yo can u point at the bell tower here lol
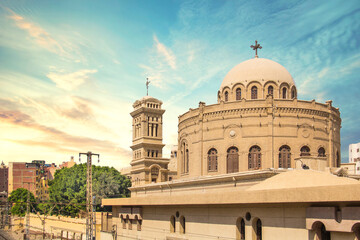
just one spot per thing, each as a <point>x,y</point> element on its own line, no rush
<point>147,163</point>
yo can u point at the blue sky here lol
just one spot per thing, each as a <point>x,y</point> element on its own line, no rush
<point>70,70</point>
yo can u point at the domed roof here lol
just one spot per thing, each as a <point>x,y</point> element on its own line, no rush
<point>257,69</point>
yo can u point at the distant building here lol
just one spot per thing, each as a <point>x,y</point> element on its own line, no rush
<point>4,171</point>
<point>69,164</point>
<point>354,156</point>
<point>22,176</point>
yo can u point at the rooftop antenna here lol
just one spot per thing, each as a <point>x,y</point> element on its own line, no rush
<point>256,47</point>
<point>147,86</point>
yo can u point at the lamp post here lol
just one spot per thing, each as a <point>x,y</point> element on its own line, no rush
<point>89,198</point>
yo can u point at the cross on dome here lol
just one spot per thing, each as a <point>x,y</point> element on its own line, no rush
<point>147,86</point>
<point>256,48</point>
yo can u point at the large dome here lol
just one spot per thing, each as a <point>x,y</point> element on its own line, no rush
<point>257,69</point>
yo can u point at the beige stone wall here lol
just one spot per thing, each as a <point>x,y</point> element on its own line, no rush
<point>219,222</point>
<point>295,124</point>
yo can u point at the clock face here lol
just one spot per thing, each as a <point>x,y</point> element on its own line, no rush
<point>232,133</point>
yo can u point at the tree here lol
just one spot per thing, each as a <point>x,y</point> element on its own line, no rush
<point>69,186</point>
<point>19,197</point>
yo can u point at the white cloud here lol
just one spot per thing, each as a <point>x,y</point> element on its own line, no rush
<point>70,81</point>
<point>166,53</point>
<point>42,37</point>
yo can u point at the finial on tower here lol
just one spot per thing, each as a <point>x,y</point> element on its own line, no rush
<point>256,48</point>
<point>147,86</point>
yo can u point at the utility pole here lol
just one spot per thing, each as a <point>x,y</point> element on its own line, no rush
<point>89,198</point>
<point>27,218</point>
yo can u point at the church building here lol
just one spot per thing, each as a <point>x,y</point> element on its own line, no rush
<point>259,164</point>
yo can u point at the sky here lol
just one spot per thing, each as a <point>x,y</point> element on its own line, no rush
<point>71,70</point>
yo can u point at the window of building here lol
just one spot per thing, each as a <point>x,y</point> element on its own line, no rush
<point>284,157</point>
<point>182,224</point>
<point>129,223</point>
<point>240,229</point>
<point>254,157</point>
<point>185,157</point>
<point>232,160</point>
<point>270,90</point>
<point>138,223</point>
<point>321,152</point>
<point>154,174</point>
<point>321,232</point>
<point>293,94</point>
<point>123,221</point>
<point>172,224</point>
<point>357,150</point>
<point>254,93</point>
<point>212,160</point>
<point>226,96</point>
<point>305,151</point>
<point>238,93</point>
<point>258,230</point>
<point>284,93</point>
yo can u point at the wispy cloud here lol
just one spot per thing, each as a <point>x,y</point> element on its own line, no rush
<point>165,52</point>
<point>40,35</point>
<point>70,81</point>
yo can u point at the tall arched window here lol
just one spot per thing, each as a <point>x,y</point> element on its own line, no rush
<point>129,222</point>
<point>254,157</point>
<point>226,96</point>
<point>284,157</point>
<point>232,160</point>
<point>240,229</point>
<point>154,174</point>
<point>305,151</point>
<point>172,224</point>
<point>270,90</point>
<point>284,93</point>
<point>212,160</point>
<point>321,152</point>
<point>123,221</point>
<point>321,232</point>
<point>238,93</point>
<point>293,93</point>
<point>138,223</point>
<point>258,230</point>
<point>182,224</point>
<point>254,92</point>
<point>185,157</point>
<point>338,160</point>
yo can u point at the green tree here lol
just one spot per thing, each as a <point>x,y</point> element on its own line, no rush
<point>19,198</point>
<point>69,187</point>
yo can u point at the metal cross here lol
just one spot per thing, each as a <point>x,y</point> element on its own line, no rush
<point>256,47</point>
<point>147,86</point>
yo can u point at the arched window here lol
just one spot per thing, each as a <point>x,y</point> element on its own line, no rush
<point>226,96</point>
<point>129,222</point>
<point>182,224</point>
<point>185,157</point>
<point>138,223</point>
<point>284,157</point>
<point>123,221</point>
<point>218,95</point>
<point>338,160</point>
<point>254,157</point>
<point>284,93</point>
<point>258,230</point>
<point>321,152</point>
<point>305,151</point>
<point>270,90</point>
<point>254,92</point>
<point>238,93</point>
<point>212,160</point>
<point>321,232</point>
<point>232,160</point>
<point>154,174</point>
<point>172,224</point>
<point>293,93</point>
<point>240,229</point>
<point>356,230</point>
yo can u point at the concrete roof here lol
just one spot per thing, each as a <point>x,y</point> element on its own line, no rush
<point>298,186</point>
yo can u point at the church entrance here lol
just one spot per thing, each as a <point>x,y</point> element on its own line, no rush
<point>232,161</point>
